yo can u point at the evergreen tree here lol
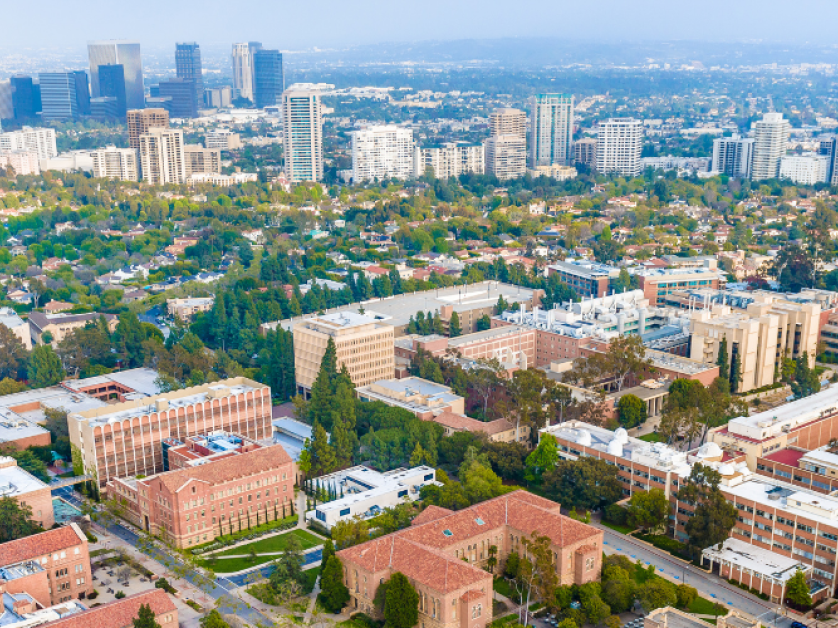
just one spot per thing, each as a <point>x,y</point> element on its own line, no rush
<point>420,323</point>
<point>322,453</point>
<point>454,328</point>
<point>333,593</point>
<point>320,405</point>
<point>417,456</point>
<point>44,367</point>
<point>341,442</point>
<point>724,369</point>
<point>502,305</point>
<point>437,324</point>
<point>145,618</point>
<point>735,373</point>
<point>328,552</point>
<point>412,327</point>
<point>805,380</point>
<point>129,339</point>
<point>401,606</point>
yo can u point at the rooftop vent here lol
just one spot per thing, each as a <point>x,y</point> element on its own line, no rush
<point>447,532</point>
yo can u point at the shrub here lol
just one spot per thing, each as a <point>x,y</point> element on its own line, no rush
<point>616,514</point>
<point>119,594</point>
<point>93,595</point>
<point>162,583</point>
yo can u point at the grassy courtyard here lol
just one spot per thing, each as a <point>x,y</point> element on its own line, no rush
<point>276,543</point>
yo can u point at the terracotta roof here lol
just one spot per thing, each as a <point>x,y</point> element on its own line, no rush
<point>119,613</point>
<point>432,568</point>
<point>431,513</point>
<point>423,551</point>
<point>225,469</point>
<point>473,594</point>
<point>461,422</point>
<point>36,545</point>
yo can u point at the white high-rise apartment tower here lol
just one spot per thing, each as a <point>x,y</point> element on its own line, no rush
<point>449,160</point>
<point>115,163</point>
<point>733,156</point>
<point>770,137</point>
<point>161,156</point>
<point>38,140</point>
<point>506,149</point>
<point>619,145</point>
<point>302,128</point>
<point>382,151</point>
<point>551,129</point>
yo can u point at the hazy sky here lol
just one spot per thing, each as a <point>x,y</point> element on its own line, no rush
<point>326,23</point>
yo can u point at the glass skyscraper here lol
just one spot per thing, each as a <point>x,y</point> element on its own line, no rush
<point>269,80</point>
<point>126,54</point>
<point>188,64</point>
<point>112,85</point>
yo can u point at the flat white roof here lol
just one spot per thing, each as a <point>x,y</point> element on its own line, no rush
<point>760,561</point>
<point>771,422</point>
<point>379,483</point>
<point>17,481</point>
<point>817,507</point>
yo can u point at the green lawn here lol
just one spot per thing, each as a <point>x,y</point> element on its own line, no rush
<point>654,437</point>
<point>275,543</point>
<point>703,606</point>
<point>229,565</point>
<point>502,586</point>
<point>617,527</point>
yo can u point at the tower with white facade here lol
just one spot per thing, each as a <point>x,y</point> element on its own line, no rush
<point>770,137</point>
<point>382,151</point>
<point>619,145</point>
<point>161,156</point>
<point>733,156</point>
<point>551,129</point>
<point>302,127</point>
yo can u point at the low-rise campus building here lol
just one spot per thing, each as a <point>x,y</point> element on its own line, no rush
<point>51,567</point>
<point>422,397</point>
<point>28,490</point>
<point>222,484</point>
<point>121,613</point>
<point>444,554</point>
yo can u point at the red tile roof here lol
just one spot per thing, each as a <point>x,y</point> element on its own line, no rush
<point>225,469</point>
<point>119,613</point>
<point>423,551</point>
<point>41,544</point>
<point>461,422</point>
<point>791,457</point>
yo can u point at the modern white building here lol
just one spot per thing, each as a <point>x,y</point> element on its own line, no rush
<point>770,137</point>
<point>23,162</point>
<point>805,169</point>
<point>302,118</point>
<point>41,141</point>
<point>367,492</point>
<point>551,129</point>
<point>619,146</point>
<point>449,160</point>
<point>161,156</point>
<point>382,151</point>
<point>223,179</point>
<point>733,156</point>
<point>115,163</point>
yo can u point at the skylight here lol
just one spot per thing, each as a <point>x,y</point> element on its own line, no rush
<point>448,533</point>
<point>480,521</point>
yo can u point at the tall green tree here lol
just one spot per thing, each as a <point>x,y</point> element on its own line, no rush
<point>714,517</point>
<point>16,520</point>
<point>129,338</point>
<point>587,483</point>
<point>631,411</point>
<point>44,367</point>
<point>322,452</point>
<point>401,605</point>
<point>454,328</point>
<point>649,510</point>
<point>13,355</point>
<point>722,360</point>
<point>145,618</point>
<point>333,594</point>
<point>328,552</point>
<point>805,381</point>
<point>543,458</point>
<point>797,590</point>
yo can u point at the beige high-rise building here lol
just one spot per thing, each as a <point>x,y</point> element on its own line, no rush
<point>506,156</point>
<point>768,331</point>
<point>139,121</point>
<point>201,160</point>
<point>364,345</point>
<point>115,163</point>
<point>508,122</point>
<point>162,156</point>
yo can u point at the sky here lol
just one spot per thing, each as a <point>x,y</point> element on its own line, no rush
<point>303,25</point>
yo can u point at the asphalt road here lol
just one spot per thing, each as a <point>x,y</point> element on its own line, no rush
<point>708,585</point>
<point>219,590</point>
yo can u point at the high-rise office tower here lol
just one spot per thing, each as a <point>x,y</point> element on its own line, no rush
<point>506,149</point>
<point>733,156</point>
<point>302,126</point>
<point>141,120</point>
<point>268,78</point>
<point>551,129</point>
<point>243,68</point>
<point>126,54</point>
<point>112,85</point>
<point>382,151</point>
<point>26,97</point>
<point>188,66</point>
<point>619,145</point>
<point>7,108</point>
<point>64,95</point>
<point>770,137</point>
<point>115,163</point>
<point>184,98</point>
<point>161,156</point>
<point>218,97</point>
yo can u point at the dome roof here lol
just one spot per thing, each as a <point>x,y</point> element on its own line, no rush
<point>727,469</point>
<point>615,448</point>
<point>621,435</point>
<point>709,450</point>
<point>584,438</point>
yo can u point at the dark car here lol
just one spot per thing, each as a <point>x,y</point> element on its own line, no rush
<point>797,624</point>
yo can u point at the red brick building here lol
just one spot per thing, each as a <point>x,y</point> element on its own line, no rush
<point>52,566</point>
<point>444,553</point>
<point>195,504</point>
